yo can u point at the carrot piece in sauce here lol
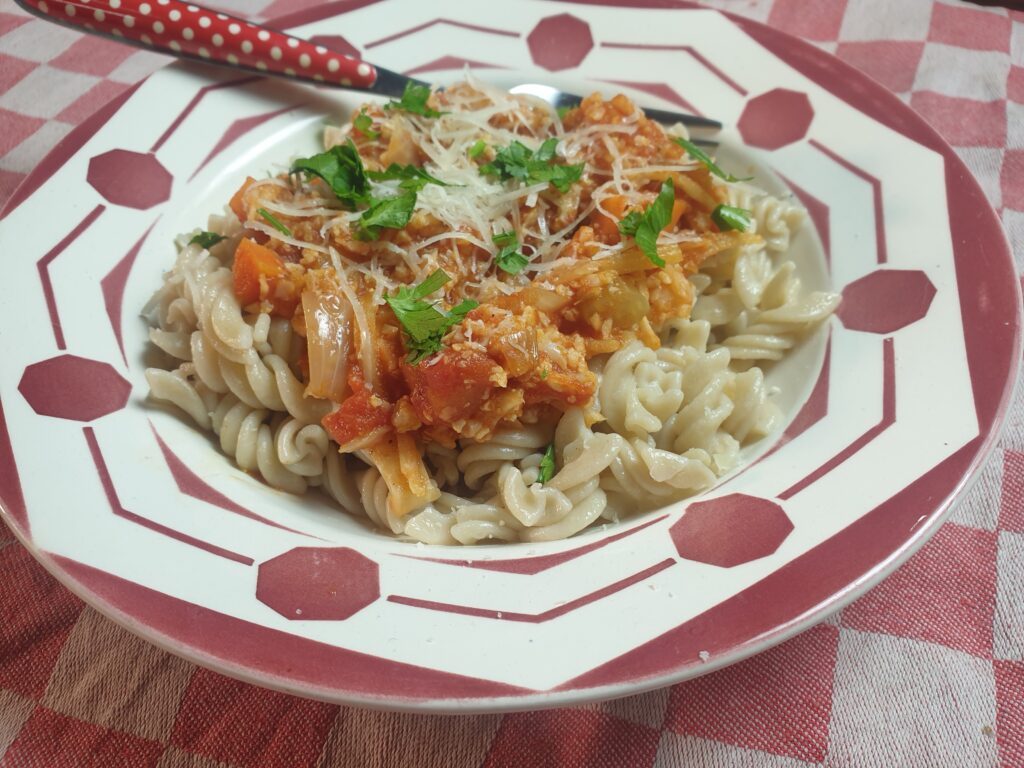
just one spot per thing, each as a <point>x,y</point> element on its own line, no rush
<point>260,274</point>
<point>238,200</point>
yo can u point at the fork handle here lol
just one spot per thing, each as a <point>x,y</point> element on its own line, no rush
<point>191,31</point>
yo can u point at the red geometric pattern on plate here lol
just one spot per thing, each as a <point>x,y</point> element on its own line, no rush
<point>881,249</point>
<point>191,484</point>
<point>533,565</point>
<point>13,499</point>
<point>336,43</point>
<point>75,388</point>
<point>661,90</point>
<point>237,130</point>
<point>948,586</point>
<point>281,731</point>
<point>781,701</point>
<point>818,211</point>
<point>112,286</point>
<point>886,300</point>
<point>200,95</point>
<point>893,63</point>
<point>118,509</point>
<point>1011,499</point>
<point>318,583</point>
<point>450,62</point>
<point>693,52</point>
<point>887,420</point>
<point>776,119</point>
<point>730,530</point>
<point>43,267</point>
<point>571,738</point>
<point>560,42</point>
<point>434,22</point>
<point>534,618</point>
<point>986,128</point>
<point>215,637</point>
<point>1010,711</point>
<point>970,28</point>
<point>131,179</point>
<point>52,739</point>
<point>37,617</point>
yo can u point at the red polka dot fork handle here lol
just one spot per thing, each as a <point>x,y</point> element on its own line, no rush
<point>193,32</point>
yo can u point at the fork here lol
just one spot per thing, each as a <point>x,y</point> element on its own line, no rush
<point>190,31</point>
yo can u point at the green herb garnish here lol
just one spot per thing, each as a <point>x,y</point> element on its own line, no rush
<point>272,220</point>
<point>424,324</point>
<point>565,110</point>
<point>206,239</point>
<point>342,169</point>
<point>414,100</point>
<point>543,373</point>
<point>701,156</point>
<point>645,227</point>
<point>547,465</point>
<point>730,217</point>
<point>390,212</point>
<point>509,258</point>
<point>364,124</point>
<point>477,149</point>
<point>518,161</point>
<point>412,178</point>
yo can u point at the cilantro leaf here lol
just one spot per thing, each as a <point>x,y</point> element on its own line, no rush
<point>272,220</point>
<point>509,258</point>
<point>701,156</point>
<point>547,465</point>
<point>342,169</point>
<point>412,178</point>
<point>477,148</point>
<point>517,161</point>
<point>424,324</point>
<point>206,239</point>
<point>730,217</point>
<point>645,227</point>
<point>390,212</point>
<point>364,124</point>
<point>414,100</point>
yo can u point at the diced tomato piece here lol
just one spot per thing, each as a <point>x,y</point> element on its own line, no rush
<point>238,200</point>
<point>361,413</point>
<point>259,274</point>
<point>451,386</point>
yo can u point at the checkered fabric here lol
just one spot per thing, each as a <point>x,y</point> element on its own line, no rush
<point>926,670</point>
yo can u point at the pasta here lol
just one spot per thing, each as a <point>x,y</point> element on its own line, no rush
<point>473,319</point>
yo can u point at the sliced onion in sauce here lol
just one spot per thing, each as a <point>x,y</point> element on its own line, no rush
<point>328,319</point>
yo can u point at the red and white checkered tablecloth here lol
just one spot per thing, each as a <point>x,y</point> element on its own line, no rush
<point>926,670</point>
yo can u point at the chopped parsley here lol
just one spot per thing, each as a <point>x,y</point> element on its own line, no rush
<point>477,149</point>
<point>364,124</point>
<point>509,258</point>
<point>547,465</point>
<point>518,161</point>
<point>390,212</point>
<point>565,110</point>
<point>206,239</point>
<point>645,227</point>
<point>272,220</point>
<point>730,217</point>
<point>412,178</point>
<point>424,324</point>
<point>701,156</point>
<point>543,373</point>
<point>414,100</point>
<point>342,169</point>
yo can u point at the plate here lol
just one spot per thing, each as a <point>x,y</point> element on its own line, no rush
<point>893,407</point>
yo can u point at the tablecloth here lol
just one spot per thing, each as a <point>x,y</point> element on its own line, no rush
<point>925,670</point>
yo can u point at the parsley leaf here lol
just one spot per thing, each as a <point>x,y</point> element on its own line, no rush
<point>390,212</point>
<point>730,217</point>
<point>477,148</point>
<point>412,178</point>
<point>645,227</point>
<point>424,324</point>
<point>364,124</point>
<point>272,220</point>
<point>517,161</point>
<point>509,258</point>
<point>342,169</point>
<point>565,110</point>
<point>206,239</point>
<point>547,465</point>
<point>414,100</point>
<point>701,156</point>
